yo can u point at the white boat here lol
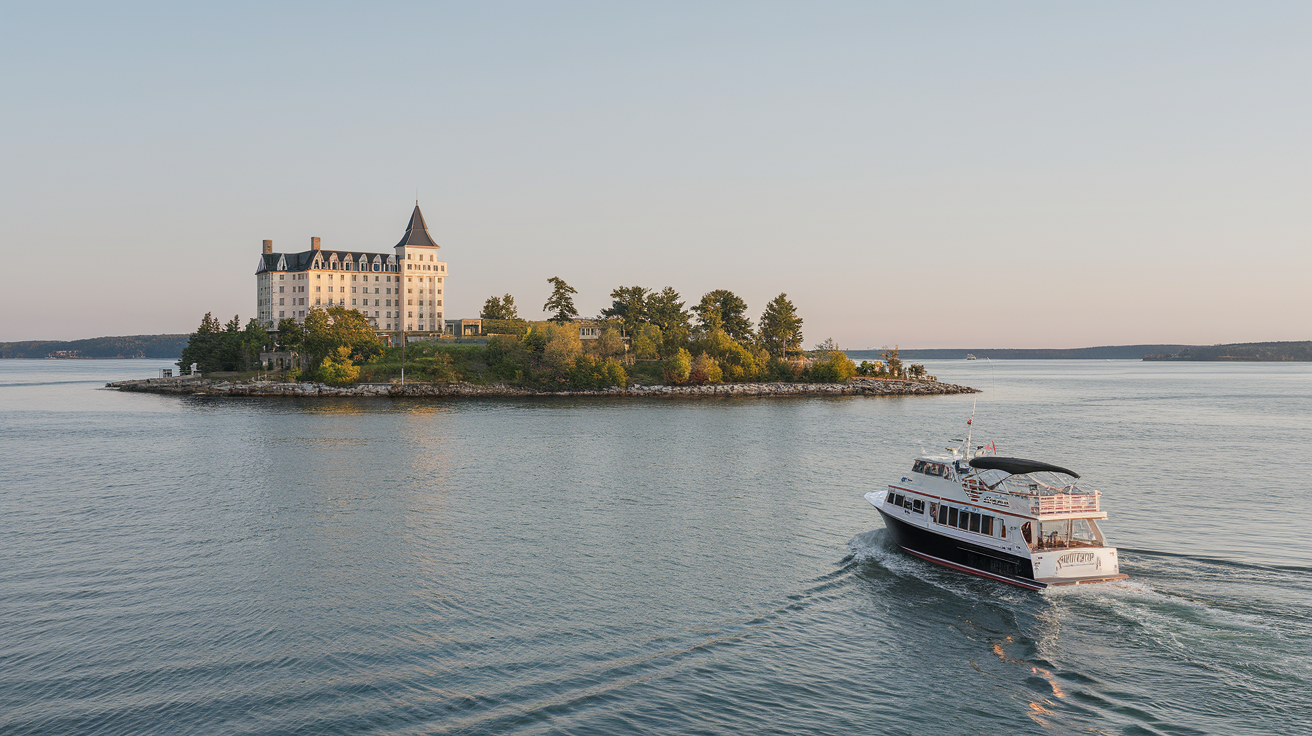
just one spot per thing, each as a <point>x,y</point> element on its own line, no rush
<point>1017,521</point>
<point>970,356</point>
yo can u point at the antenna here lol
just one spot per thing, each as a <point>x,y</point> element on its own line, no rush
<point>970,423</point>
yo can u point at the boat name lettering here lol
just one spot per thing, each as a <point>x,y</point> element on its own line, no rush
<point>998,502</point>
<point>1077,558</point>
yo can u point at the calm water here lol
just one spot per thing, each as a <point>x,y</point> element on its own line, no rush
<point>175,565</point>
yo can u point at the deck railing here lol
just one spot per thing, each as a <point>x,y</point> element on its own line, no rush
<point>1068,503</point>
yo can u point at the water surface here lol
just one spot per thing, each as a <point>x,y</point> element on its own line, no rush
<point>242,566</point>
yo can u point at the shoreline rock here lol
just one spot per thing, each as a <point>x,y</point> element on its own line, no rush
<point>856,387</point>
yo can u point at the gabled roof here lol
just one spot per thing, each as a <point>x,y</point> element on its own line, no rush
<point>303,260</point>
<point>417,232</point>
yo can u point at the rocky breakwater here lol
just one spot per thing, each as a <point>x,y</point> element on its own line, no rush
<point>854,387</point>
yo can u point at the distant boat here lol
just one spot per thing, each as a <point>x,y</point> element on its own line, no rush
<point>971,356</point>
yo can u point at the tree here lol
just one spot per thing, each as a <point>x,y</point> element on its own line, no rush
<point>609,344</point>
<point>290,334</point>
<point>254,339</point>
<point>561,301</point>
<point>629,305</point>
<point>500,308</point>
<point>732,313</point>
<point>893,362</point>
<point>334,327</point>
<point>647,343</point>
<point>205,347</point>
<point>781,328</point>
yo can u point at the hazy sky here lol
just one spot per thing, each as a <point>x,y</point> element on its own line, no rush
<point>929,174</point>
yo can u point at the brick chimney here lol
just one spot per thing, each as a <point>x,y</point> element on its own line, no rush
<point>314,244</point>
<point>268,247</point>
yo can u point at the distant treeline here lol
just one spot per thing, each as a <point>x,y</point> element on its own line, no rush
<point>1265,351</point>
<point>132,346</point>
<point>1286,351</point>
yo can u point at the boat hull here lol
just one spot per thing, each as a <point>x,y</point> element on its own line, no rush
<point>963,556</point>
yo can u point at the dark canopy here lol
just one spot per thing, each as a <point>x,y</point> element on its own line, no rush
<point>1015,465</point>
<point>417,232</point>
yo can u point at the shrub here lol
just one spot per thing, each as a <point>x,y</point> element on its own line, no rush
<point>705,370</point>
<point>337,368</point>
<point>678,367</point>
<point>591,373</point>
<point>834,367</point>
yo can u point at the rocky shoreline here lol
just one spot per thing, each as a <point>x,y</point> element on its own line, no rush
<point>854,387</point>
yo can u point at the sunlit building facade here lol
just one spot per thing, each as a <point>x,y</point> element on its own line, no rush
<point>397,291</point>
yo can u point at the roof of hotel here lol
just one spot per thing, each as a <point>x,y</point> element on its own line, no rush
<point>417,232</point>
<point>305,259</point>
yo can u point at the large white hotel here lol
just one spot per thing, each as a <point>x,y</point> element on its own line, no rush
<point>396,291</point>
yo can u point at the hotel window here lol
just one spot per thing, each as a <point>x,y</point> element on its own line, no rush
<point>439,302</point>
<point>280,315</point>
<point>410,314</point>
<point>280,301</point>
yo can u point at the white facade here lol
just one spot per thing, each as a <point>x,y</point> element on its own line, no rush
<point>401,291</point>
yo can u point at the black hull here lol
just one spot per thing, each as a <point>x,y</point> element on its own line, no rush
<point>959,555</point>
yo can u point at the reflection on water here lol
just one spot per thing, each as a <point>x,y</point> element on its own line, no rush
<point>227,566</point>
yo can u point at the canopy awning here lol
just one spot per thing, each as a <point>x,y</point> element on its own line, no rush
<point>1017,466</point>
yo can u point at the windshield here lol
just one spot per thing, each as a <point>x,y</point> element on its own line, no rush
<point>1042,483</point>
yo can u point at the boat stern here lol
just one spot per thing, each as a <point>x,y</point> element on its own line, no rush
<point>1077,565</point>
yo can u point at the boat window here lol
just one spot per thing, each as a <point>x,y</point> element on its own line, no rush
<point>918,506</point>
<point>986,525</point>
<point>952,516</point>
<point>1002,524</point>
<point>974,521</point>
<point>943,514</point>
<point>1025,532</point>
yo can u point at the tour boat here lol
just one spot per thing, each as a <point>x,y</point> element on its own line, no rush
<point>1017,521</point>
<point>970,356</point>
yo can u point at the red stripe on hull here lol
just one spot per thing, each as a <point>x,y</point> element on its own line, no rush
<point>963,568</point>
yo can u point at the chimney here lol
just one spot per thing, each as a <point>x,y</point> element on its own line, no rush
<point>268,247</point>
<point>314,244</point>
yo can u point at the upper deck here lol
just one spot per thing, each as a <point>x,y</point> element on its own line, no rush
<point>1049,493</point>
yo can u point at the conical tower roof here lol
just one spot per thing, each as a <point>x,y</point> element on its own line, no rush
<point>417,232</point>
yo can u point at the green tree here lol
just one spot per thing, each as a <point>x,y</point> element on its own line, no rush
<point>781,327</point>
<point>665,310</point>
<point>290,334</point>
<point>561,301</point>
<point>205,347</point>
<point>562,346</point>
<point>500,308</point>
<point>629,305</point>
<point>647,343</point>
<point>731,311</point>
<point>334,327</point>
<point>254,339</point>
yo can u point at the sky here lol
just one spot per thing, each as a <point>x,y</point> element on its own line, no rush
<point>927,174</point>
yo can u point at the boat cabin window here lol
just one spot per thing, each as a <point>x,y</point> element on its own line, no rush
<point>966,520</point>
<point>915,505</point>
<point>1069,533</point>
<point>938,470</point>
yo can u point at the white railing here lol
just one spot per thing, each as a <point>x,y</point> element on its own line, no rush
<point>1068,503</point>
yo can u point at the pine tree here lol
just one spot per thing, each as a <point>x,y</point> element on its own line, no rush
<point>561,301</point>
<point>781,328</point>
<point>731,311</point>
